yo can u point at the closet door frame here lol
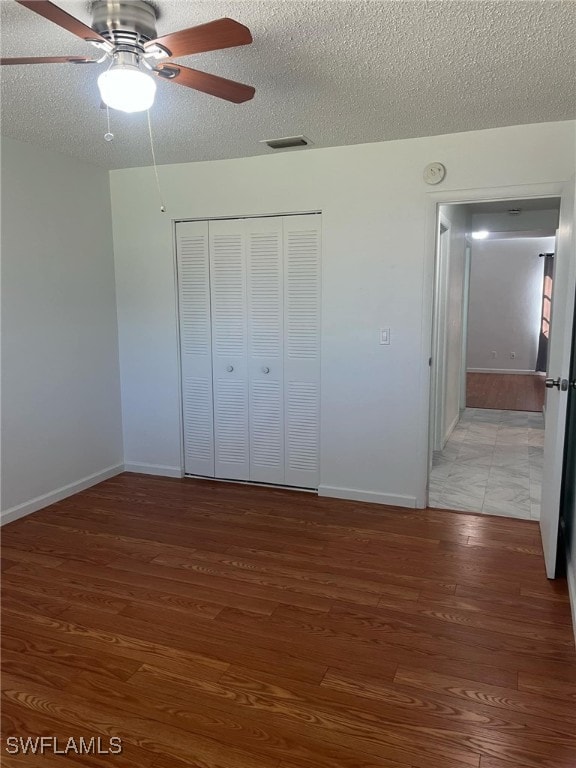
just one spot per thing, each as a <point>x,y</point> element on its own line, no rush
<point>208,219</point>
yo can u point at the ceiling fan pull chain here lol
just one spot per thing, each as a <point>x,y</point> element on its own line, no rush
<point>108,136</point>
<point>162,206</point>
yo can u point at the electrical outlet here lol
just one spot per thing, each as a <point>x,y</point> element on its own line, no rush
<point>512,355</point>
<point>494,354</point>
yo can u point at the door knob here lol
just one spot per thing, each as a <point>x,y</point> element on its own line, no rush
<point>559,383</point>
<point>573,384</point>
<point>265,369</point>
<point>230,368</point>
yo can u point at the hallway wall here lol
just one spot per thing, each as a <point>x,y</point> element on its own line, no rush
<point>505,307</point>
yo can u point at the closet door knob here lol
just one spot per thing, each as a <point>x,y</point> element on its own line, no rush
<point>265,369</point>
<point>229,368</point>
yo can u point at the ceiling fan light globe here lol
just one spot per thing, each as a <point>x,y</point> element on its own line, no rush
<point>127,88</point>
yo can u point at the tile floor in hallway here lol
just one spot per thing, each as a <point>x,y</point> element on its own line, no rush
<point>491,463</point>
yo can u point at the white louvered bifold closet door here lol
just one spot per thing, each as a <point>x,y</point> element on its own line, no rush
<point>195,346</point>
<point>264,248</point>
<point>249,294</point>
<point>302,251</point>
<point>229,348</point>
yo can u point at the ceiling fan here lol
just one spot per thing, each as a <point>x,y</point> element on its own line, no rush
<point>125,33</point>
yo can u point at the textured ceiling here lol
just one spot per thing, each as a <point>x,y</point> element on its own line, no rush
<point>340,72</point>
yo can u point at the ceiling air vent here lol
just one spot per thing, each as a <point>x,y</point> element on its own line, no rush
<point>287,143</point>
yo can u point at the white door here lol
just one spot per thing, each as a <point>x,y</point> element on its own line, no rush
<point>249,292</point>
<point>265,348</point>
<point>558,369</point>
<point>229,348</point>
<point>302,249</point>
<point>195,346</point>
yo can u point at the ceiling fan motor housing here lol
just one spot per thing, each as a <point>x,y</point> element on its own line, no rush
<point>128,25</point>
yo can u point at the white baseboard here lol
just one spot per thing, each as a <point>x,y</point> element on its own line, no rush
<point>451,428</point>
<point>154,469</point>
<point>21,510</point>
<point>376,498</point>
<point>571,579</point>
<point>504,370</point>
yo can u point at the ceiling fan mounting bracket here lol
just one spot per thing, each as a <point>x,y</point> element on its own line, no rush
<point>157,51</point>
<point>167,72</point>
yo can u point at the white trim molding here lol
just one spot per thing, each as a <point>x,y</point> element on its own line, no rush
<point>160,470</point>
<point>507,371</point>
<point>353,494</point>
<point>28,507</point>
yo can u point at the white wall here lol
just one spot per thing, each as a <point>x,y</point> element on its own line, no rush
<point>506,303</point>
<point>60,374</point>
<point>545,220</point>
<point>377,271</point>
<point>458,219</point>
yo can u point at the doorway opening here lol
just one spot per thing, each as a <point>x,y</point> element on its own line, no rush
<point>493,293</point>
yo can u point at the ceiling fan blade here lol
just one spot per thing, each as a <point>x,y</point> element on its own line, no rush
<point>50,60</point>
<point>202,81</point>
<point>53,13</point>
<point>223,33</point>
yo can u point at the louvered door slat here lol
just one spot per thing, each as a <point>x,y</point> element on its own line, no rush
<point>266,433</point>
<point>264,245</point>
<point>229,348</point>
<point>302,250</point>
<point>302,415</point>
<point>195,346</point>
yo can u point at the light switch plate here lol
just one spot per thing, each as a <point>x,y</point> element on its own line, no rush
<point>384,335</point>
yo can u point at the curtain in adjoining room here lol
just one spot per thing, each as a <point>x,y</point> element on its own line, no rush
<point>542,358</point>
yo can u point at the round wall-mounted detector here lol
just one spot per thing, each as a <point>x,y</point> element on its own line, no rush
<point>434,173</point>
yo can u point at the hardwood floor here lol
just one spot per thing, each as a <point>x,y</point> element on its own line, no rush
<point>226,626</point>
<point>505,391</point>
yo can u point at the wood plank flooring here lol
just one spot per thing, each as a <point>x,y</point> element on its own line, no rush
<point>505,391</point>
<point>224,626</point>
